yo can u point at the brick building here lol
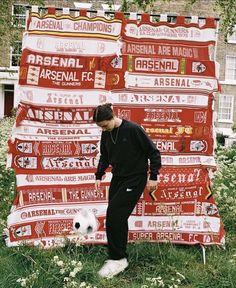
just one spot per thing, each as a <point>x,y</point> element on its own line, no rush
<point>225,104</point>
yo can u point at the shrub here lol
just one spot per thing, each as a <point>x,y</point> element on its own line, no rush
<point>7,176</point>
<point>224,186</point>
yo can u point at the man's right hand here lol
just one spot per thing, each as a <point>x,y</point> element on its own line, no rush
<point>97,184</point>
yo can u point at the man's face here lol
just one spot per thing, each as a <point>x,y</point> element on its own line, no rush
<point>107,125</point>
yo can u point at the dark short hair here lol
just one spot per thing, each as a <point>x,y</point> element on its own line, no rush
<point>103,112</point>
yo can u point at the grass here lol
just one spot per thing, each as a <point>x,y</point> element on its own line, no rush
<point>147,260</point>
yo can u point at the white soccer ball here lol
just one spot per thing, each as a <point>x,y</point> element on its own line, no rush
<point>85,222</point>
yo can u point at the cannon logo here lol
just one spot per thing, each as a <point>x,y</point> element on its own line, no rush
<point>116,62</point>
<point>26,162</point>
<point>209,209</point>
<point>198,67</point>
<point>88,148</point>
<point>198,145</point>
<point>25,147</point>
<point>22,231</point>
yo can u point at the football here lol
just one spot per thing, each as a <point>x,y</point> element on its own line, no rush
<point>85,222</point>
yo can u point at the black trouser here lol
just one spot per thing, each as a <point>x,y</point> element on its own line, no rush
<point>124,194</point>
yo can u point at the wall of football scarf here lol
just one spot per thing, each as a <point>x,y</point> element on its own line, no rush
<point>158,74</point>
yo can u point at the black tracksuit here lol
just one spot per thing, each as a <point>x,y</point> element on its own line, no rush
<point>128,157</point>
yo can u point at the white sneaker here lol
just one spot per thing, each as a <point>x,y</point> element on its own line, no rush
<point>113,267</point>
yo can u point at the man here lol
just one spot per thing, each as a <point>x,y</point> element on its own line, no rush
<point>127,148</point>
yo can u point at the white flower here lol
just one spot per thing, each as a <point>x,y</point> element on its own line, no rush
<point>161,283</point>
<point>77,269</point>
<point>23,282</point>
<point>72,274</point>
<point>55,258</point>
<point>60,263</point>
<point>66,279</point>
<point>82,284</point>
<point>73,284</point>
<point>73,262</point>
<point>62,271</point>
<point>79,264</point>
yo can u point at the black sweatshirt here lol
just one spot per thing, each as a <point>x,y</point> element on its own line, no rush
<point>129,156</point>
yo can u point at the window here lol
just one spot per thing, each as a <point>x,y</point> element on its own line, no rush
<point>15,54</point>
<point>226,104</point>
<point>19,15</point>
<point>8,99</point>
<point>230,70</point>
